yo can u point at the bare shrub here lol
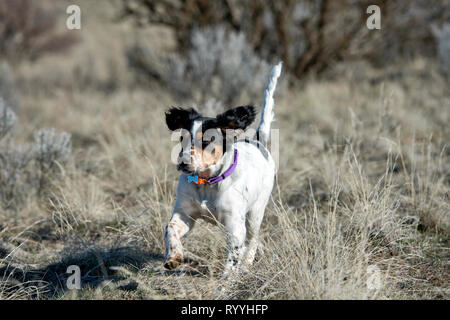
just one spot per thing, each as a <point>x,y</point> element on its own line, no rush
<point>218,64</point>
<point>51,147</point>
<point>442,36</point>
<point>27,30</point>
<point>13,160</point>
<point>8,119</point>
<point>25,169</point>
<point>16,177</point>
<point>309,36</point>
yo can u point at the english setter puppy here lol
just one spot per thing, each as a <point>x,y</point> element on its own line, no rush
<point>222,179</point>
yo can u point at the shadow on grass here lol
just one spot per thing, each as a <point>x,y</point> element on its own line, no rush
<point>94,263</point>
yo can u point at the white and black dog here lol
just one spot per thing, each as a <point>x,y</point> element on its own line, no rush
<point>223,179</point>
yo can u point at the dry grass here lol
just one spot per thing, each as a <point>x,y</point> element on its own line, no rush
<point>362,188</point>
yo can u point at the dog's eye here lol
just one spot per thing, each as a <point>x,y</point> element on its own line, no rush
<point>213,138</point>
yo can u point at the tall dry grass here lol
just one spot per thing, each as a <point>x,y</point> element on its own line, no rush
<point>360,208</point>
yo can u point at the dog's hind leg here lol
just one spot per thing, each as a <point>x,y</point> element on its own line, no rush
<point>235,229</point>
<point>254,219</point>
<point>178,226</point>
<point>253,223</point>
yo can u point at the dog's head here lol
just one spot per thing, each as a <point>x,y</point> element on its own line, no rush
<point>204,140</point>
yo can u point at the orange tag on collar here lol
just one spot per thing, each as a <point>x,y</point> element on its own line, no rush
<point>195,179</point>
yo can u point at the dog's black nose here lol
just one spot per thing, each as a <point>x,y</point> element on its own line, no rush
<point>184,167</point>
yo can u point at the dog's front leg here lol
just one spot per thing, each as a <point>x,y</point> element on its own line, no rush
<point>178,226</point>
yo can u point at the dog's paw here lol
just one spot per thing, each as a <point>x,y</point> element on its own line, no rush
<point>173,263</point>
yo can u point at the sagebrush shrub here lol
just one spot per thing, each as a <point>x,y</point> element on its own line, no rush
<point>25,168</point>
<point>13,159</point>
<point>218,64</point>
<point>442,36</point>
<point>308,35</point>
<point>51,147</point>
<point>7,118</point>
<point>16,177</point>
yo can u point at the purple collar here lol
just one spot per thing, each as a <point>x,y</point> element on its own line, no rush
<point>217,179</point>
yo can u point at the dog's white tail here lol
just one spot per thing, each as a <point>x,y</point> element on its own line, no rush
<point>267,115</point>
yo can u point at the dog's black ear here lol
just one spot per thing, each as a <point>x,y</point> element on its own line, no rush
<point>236,118</point>
<point>177,118</point>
